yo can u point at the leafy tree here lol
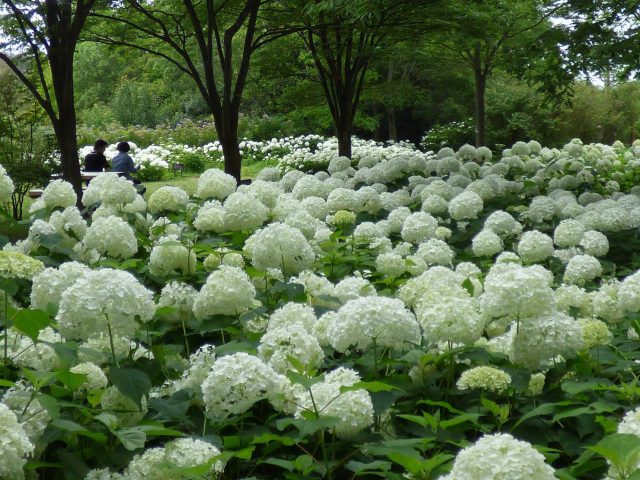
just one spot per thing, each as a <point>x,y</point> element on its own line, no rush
<point>45,34</point>
<point>343,38</point>
<point>211,42</point>
<point>488,33</point>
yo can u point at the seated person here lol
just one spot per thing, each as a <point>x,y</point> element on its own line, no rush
<point>96,161</point>
<point>123,163</point>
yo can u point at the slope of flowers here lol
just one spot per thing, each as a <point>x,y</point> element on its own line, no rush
<point>459,315</point>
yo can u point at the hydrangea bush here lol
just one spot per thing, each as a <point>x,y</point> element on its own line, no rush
<point>443,315</point>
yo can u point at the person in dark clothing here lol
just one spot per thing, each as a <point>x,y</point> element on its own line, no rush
<point>96,161</point>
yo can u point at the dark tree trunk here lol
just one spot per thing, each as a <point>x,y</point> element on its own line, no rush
<point>480,114</point>
<point>343,132</point>
<point>393,128</point>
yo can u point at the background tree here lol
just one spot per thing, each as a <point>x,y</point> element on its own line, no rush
<point>45,34</point>
<point>210,42</point>
<point>483,35</point>
<point>342,38</point>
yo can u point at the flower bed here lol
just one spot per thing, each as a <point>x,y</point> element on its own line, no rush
<point>459,315</point>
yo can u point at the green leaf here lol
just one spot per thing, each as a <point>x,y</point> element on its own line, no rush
<point>544,409</point>
<point>370,387</point>
<point>108,420</point>
<point>50,404</point>
<point>31,322</point>
<point>621,449</point>
<point>131,382</point>
<point>308,426</point>
<point>131,438</point>
<point>8,285</point>
<point>78,429</point>
<point>71,380</point>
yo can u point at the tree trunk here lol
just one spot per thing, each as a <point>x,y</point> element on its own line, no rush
<point>227,128</point>
<point>480,87</point>
<point>66,125</point>
<point>343,132</point>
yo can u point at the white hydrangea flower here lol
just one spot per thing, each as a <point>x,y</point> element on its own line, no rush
<point>235,382</point>
<point>435,252</point>
<point>361,322</point>
<point>49,284</point>
<point>290,340</point>
<point>391,264</point>
<point>465,206</point>
<point>33,417</point>
<point>595,243</point>
<point>540,339</point>
<point>280,246</point>
<point>484,378</point>
<point>513,290</point>
<point>314,285</point>
<point>594,332</point>
<point>168,199</point>
<point>243,212</point>
<point>354,408</point>
<point>455,319</point>
<point>630,423</point>
<point>170,257</point>
<point>541,209</point>
<point>38,356</point>
<point>350,288</point>
<point>113,302</point>
<point>503,224</point>
<point>109,189</point>
<point>214,183</point>
<point>228,291</point>
<point>111,236</point>
<point>606,304</point>
<point>535,246</point>
<point>210,217</point>
<point>500,457</point>
<point>14,443</point>
<point>581,269</point>
<point>573,296</point>
<point>59,194</point>
<point>568,233</point>
<point>199,365</point>
<point>180,296</point>
<point>6,186</point>
<point>486,243</point>
<point>418,227</point>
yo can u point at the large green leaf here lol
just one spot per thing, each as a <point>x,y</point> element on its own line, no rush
<point>131,382</point>
<point>31,322</point>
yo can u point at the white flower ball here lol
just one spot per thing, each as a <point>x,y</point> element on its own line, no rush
<point>581,269</point>
<point>228,291</point>
<point>210,217</point>
<point>465,206</point>
<point>111,236</point>
<point>168,199</point>
<point>243,212</point>
<point>292,340</point>
<point>362,321</point>
<point>170,257</point>
<point>280,246</point>
<point>451,319</point>
<point>486,243</point>
<point>500,457</point>
<point>214,183</point>
<point>595,243</point>
<point>113,302</point>
<point>48,285</point>
<point>418,227</point>
<point>535,246</point>
<point>59,194</point>
<point>503,224</point>
<point>15,443</point>
<point>568,233</point>
<point>391,264</point>
<point>435,252</point>
<point>235,382</point>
